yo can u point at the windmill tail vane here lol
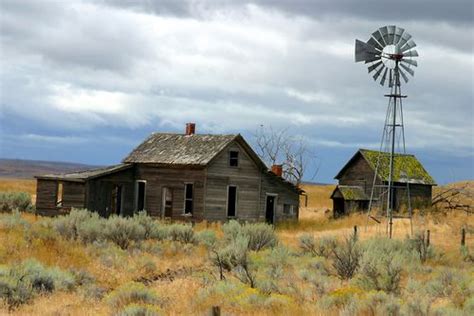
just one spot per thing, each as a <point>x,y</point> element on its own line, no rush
<point>389,55</point>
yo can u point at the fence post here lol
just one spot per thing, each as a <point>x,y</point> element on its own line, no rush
<point>216,311</point>
<point>355,232</point>
<point>427,238</point>
<point>463,237</point>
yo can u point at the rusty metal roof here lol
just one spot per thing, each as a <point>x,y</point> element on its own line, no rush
<point>179,149</point>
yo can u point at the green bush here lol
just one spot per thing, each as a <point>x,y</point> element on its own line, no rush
<point>207,237</point>
<point>123,231</point>
<point>10,201</point>
<point>131,293</point>
<point>13,221</point>
<point>19,283</point>
<point>346,257</point>
<point>259,235</point>
<point>139,310</point>
<point>150,226</point>
<point>322,247</point>
<point>181,232</point>
<point>381,266</point>
<point>68,225</point>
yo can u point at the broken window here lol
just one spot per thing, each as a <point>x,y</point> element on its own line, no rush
<point>234,158</point>
<point>288,209</point>
<point>231,200</point>
<point>188,198</point>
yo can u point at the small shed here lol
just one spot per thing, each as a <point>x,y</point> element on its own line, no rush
<point>357,176</point>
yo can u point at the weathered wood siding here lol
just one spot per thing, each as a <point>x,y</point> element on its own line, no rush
<point>73,196</point>
<point>359,173</point>
<point>99,192</point>
<point>246,177</point>
<point>285,195</point>
<point>174,178</point>
<point>46,191</point>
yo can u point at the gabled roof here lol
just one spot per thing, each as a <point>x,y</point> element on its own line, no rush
<point>351,193</point>
<point>180,149</point>
<point>406,167</point>
<point>82,176</point>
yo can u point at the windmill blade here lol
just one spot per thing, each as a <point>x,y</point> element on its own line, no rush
<point>374,66</point>
<point>398,35</point>
<point>405,37</point>
<point>403,75</point>
<point>410,71</point>
<point>377,74</point>
<point>372,41</point>
<point>408,46</point>
<point>378,37</point>
<point>410,61</point>
<point>382,82</point>
<point>384,32</point>
<point>412,53</point>
<point>365,52</point>
<point>391,34</point>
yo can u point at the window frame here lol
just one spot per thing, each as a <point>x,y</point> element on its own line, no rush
<point>186,199</point>
<point>59,194</point>
<point>237,159</point>
<point>136,195</point>
<point>236,200</point>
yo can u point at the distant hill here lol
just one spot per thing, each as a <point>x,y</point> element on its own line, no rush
<point>18,168</point>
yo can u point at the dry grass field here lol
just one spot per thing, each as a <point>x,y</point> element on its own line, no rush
<point>289,282</point>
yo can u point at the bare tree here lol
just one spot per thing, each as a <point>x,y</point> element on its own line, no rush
<point>292,152</point>
<point>454,198</point>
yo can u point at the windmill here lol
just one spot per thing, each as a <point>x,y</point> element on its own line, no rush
<point>389,54</point>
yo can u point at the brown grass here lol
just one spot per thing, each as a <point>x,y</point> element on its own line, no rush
<point>18,185</point>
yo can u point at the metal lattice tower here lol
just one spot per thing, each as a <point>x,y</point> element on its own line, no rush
<point>389,53</point>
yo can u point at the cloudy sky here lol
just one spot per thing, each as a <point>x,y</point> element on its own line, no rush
<point>86,81</point>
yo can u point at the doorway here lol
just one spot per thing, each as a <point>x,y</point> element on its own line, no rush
<point>270,208</point>
<point>116,200</point>
<point>167,202</point>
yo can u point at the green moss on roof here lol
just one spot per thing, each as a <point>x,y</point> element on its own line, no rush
<point>352,193</point>
<point>406,168</point>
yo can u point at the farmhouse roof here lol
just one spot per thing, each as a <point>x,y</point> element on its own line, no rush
<point>406,169</point>
<point>180,149</point>
<point>82,176</point>
<point>351,193</point>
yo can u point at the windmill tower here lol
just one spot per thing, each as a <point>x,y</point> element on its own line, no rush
<point>389,54</point>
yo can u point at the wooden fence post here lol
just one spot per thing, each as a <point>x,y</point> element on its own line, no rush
<point>355,232</point>
<point>216,311</point>
<point>427,238</point>
<point>463,237</point>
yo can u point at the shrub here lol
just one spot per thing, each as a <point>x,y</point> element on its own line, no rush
<point>149,225</point>
<point>18,284</point>
<point>13,221</point>
<point>10,201</point>
<point>139,310</point>
<point>182,233</point>
<point>67,225</point>
<point>419,246</point>
<point>259,235</point>
<point>207,237</point>
<point>122,231</point>
<point>131,293</point>
<point>322,247</point>
<point>381,266</point>
<point>346,257</point>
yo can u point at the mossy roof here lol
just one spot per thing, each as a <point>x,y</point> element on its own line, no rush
<point>406,167</point>
<point>351,193</point>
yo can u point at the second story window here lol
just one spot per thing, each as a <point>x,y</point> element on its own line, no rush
<point>234,158</point>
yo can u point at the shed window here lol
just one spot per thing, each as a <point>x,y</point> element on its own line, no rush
<point>188,198</point>
<point>59,194</point>
<point>234,158</point>
<point>288,209</point>
<point>141,195</point>
<point>231,200</point>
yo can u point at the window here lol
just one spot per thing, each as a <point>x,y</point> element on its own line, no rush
<point>188,198</point>
<point>59,195</point>
<point>140,195</point>
<point>234,158</point>
<point>231,200</point>
<point>288,209</point>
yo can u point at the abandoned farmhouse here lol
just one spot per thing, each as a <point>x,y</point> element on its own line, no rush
<point>180,176</point>
<point>357,176</point>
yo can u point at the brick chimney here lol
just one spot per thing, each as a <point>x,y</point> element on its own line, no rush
<point>278,170</point>
<point>190,128</point>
